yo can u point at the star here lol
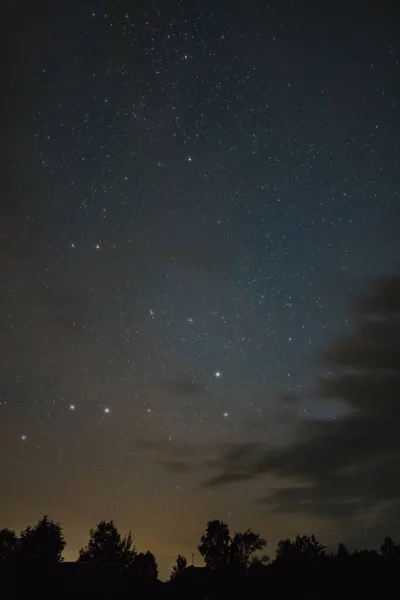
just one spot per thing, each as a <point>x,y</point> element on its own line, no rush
<point>23,437</point>
<point>73,245</point>
<point>190,159</point>
<point>217,374</point>
<point>72,407</point>
<point>107,410</point>
<point>226,414</point>
<point>97,246</point>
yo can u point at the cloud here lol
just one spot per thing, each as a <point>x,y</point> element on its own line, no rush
<point>178,457</point>
<point>384,298</point>
<point>344,469</point>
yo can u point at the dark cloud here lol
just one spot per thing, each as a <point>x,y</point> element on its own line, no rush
<point>344,469</point>
<point>373,348</point>
<point>384,299</point>
<point>178,456</point>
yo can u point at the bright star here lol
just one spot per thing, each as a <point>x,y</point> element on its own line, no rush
<point>72,245</point>
<point>226,414</point>
<point>190,159</point>
<point>107,410</point>
<point>23,437</point>
<point>97,246</point>
<point>72,407</point>
<point>218,374</point>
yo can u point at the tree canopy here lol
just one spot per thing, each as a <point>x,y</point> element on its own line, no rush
<point>44,542</point>
<point>242,548</point>
<point>214,545</point>
<point>145,567</point>
<point>389,549</point>
<point>303,547</point>
<point>179,567</point>
<point>107,546</point>
<point>8,545</point>
<point>220,550</point>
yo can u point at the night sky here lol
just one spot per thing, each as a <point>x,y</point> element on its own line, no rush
<point>192,195</point>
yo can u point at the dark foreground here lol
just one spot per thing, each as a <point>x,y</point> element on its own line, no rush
<point>87,581</point>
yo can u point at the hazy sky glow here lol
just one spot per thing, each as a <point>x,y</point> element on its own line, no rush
<point>192,195</point>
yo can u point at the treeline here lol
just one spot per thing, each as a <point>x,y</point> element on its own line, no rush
<point>44,544</point>
<point>222,552</point>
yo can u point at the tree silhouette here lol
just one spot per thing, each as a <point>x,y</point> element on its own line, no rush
<point>258,564</point>
<point>219,550</point>
<point>243,546</point>
<point>389,550</point>
<point>106,546</point>
<point>8,545</point>
<point>304,548</point>
<point>178,568</point>
<point>366,557</point>
<point>44,542</point>
<point>214,545</point>
<point>342,551</point>
<point>145,567</point>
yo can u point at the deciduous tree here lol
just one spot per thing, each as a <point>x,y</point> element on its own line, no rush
<point>107,546</point>
<point>178,568</point>
<point>145,567</point>
<point>44,542</point>
<point>243,546</point>
<point>8,545</point>
<point>214,545</point>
